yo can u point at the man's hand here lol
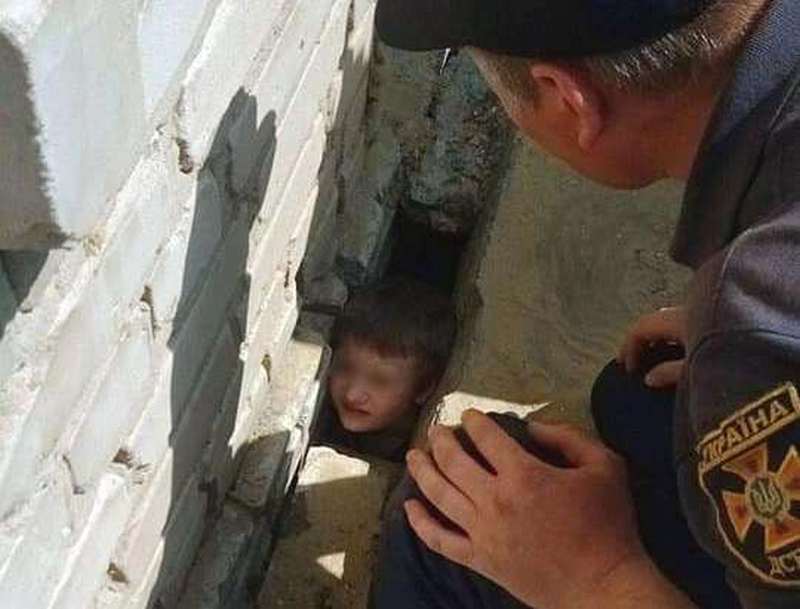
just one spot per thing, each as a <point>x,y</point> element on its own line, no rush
<point>666,325</point>
<point>556,538</point>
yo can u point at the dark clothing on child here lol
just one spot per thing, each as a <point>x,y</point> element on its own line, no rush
<point>637,423</point>
<point>389,444</point>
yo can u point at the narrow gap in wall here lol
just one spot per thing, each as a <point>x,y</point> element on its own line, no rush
<point>424,259</point>
<point>430,256</point>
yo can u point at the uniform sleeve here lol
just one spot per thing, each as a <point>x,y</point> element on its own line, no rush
<point>740,478</point>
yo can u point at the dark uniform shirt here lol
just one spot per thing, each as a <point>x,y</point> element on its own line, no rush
<point>738,411</point>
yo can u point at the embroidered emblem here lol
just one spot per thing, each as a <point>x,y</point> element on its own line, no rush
<point>750,470</point>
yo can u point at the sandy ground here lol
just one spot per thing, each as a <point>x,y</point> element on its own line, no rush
<point>565,268</point>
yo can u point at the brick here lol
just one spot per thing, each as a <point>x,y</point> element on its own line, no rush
<point>296,208</point>
<point>365,228</point>
<point>148,524</point>
<point>116,406</point>
<point>164,428</point>
<point>219,564</point>
<point>167,34</point>
<point>50,59</point>
<point>189,251</point>
<point>309,101</point>
<point>183,538</point>
<point>85,342</point>
<point>150,205</point>
<point>283,427</point>
<point>150,438</point>
<point>219,70</point>
<point>351,130</point>
<point>362,10</point>
<point>191,340</point>
<point>232,429</point>
<point>267,339</point>
<point>276,86</point>
<point>194,431</point>
<point>155,559</point>
<point>41,547</point>
<point>85,568</point>
<point>358,54</point>
<point>142,595</point>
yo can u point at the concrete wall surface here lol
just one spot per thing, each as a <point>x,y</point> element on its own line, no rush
<point>174,178</point>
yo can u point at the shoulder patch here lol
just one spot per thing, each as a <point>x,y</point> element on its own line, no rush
<point>749,467</point>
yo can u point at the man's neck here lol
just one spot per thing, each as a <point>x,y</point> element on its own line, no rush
<point>678,138</point>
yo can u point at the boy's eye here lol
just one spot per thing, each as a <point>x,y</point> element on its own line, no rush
<point>380,381</point>
<point>338,366</point>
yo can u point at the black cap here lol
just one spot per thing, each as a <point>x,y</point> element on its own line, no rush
<point>532,28</point>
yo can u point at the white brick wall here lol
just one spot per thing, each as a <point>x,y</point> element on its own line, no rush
<point>166,159</point>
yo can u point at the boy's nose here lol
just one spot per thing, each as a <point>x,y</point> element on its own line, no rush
<point>356,395</point>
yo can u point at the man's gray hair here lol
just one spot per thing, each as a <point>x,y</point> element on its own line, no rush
<point>702,49</point>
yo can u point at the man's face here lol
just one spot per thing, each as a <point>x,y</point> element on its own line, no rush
<point>370,391</point>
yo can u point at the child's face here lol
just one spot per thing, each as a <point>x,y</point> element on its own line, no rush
<point>370,391</point>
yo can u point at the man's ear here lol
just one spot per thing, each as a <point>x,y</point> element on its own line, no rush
<point>573,93</point>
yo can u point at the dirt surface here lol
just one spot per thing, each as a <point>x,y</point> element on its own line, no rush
<point>327,549</point>
<point>565,266</point>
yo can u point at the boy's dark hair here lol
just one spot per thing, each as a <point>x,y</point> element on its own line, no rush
<point>402,317</point>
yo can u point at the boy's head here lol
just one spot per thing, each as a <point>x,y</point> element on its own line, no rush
<point>391,346</point>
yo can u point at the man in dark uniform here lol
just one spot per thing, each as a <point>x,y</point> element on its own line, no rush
<point>703,508</point>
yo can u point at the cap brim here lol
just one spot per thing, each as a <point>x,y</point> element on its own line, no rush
<point>529,28</point>
<point>424,25</point>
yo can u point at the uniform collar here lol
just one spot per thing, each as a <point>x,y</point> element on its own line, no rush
<point>734,142</point>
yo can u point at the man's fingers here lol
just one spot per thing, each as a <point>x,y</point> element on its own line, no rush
<point>575,445</point>
<point>665,375</point>
<point>457,466</point>
<point>499,449</point>
<point>450,544</point>
<point>664,325</point>
<point>449,500</point>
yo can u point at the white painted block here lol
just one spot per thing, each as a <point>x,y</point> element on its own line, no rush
<point>194,431</point>
<point>32,570</point>
<point>62,158</point>
<point>191,341</point>
<point>84,344</point>
<point>150,205</point>
<point>310,100</point>
<point>144,530</point>
<point>189,252</point>
<point>84,570</point>
<point>167,33</point>
<point>363,9</point>
<point>269,252</point>
<point>161,425</point>
<point>116,406</point>
<point>230,431</point>
<point>276,86</point>
<point>218,71</point>
<point>357,55</point>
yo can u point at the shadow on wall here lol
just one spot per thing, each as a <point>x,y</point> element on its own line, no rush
<point>206,321</point>
<point>20,269</point>
<point>232,314</point>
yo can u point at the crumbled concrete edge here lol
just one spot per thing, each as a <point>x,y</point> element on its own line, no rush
<point>233,559</point>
